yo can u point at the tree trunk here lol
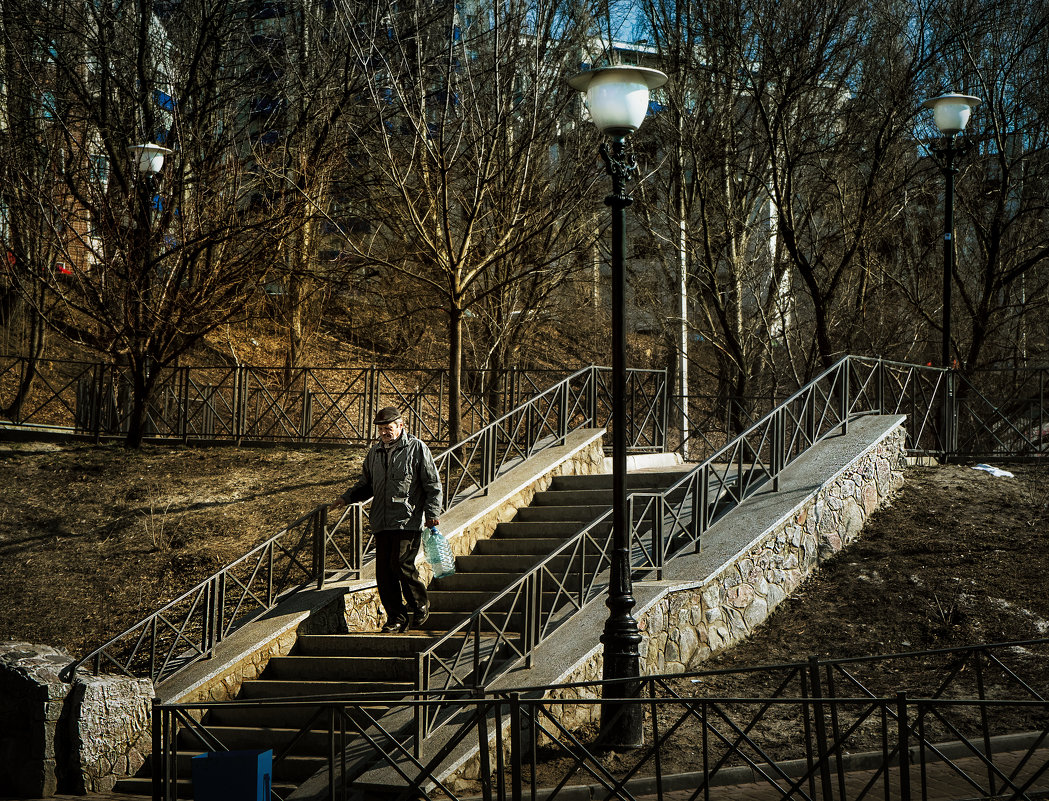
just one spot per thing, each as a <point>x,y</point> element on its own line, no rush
<point>35,350</point>
<point>140,385</point>
<point>455,373</point>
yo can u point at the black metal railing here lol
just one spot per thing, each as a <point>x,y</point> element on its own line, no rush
<point>245,404</point>
<point>1003,414</point>
<point>971,722</point>
<point>310,553</point>
<point>990,414</point>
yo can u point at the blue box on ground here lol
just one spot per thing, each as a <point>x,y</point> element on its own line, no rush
<point>232,776</point>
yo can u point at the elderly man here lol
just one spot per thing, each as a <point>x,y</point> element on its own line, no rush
<point>400,477</point>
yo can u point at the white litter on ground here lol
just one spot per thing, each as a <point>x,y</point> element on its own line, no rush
<point>997,472</point>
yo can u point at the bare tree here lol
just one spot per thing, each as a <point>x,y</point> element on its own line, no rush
<point>158,261</point>
<point>474,184</point>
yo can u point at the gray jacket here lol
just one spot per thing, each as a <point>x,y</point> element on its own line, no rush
<point>403,484</point>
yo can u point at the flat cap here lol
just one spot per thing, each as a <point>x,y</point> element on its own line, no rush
<point>387,415</point>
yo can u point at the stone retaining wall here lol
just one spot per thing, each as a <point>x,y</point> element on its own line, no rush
<point>688,625</point>
<point>72,738</point>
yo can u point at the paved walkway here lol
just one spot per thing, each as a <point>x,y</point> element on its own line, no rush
<point>943,782</point>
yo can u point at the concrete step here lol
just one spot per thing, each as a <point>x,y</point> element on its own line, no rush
<point>509,565</point>
<point>340,668</point>
<point>362,644</point>
<point>516,546</point>
<point>143,785</point>
<point>258,688</point>
<point>466,601</point>
<point>581,497</point>
<point>539,514</point>
<point>634,481</point>
<point>238,738</point>
<point>255,717</point>
<point>464,580</point>
<point>543,528</point>
<point>444,621</point>
<point>592,497</point>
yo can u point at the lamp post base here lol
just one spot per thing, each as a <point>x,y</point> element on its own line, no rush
<point>622,719</point>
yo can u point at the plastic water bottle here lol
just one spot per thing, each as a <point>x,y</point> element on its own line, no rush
<point>438,553</point>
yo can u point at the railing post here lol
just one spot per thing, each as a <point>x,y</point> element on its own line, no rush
<point>701,506</point>
<point>778,447</point>
<point>881,386</point>
<point>371,403</point>
<point>1043,439</point>
<point>515,746</point>
<point>592,395</point>
<point>658,534</point>
<point>533,615</point>
<point>331,751</point>
<point>96,401</point>
<point>951,408</point>
<point>157,758</point>
<point>181,403</point>
<point>484,754</point>
<point>306,423</point>
<point>488,459</point>
<point>358,538</point>
<point>240,404</point>
<point>821,729</point>
<point>207,634</point>
<point>320,520</point>
<point>563,403</point>
<point>903,729</point>
<point>845,402</point>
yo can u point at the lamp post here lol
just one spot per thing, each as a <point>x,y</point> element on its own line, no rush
<point>617,99</point>
<point>951,114</point>
<point>149,159</point>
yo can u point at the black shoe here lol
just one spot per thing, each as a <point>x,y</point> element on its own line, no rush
<point>395,626</point>
<point>420,616</point>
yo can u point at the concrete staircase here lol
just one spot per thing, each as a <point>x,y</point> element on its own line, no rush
<point>342,665</point>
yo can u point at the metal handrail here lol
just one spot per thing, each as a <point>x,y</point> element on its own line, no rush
<point>189,628</point>
<point>974,695</point>
<point>184,631</point>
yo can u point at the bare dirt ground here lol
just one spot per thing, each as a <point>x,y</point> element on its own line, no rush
<point>94,538</point>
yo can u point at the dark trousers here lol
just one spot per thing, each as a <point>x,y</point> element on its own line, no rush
<point>395,573</point>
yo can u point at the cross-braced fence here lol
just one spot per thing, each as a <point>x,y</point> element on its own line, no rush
<point>972,723</point>
<point>990,414</point>
<point>247,404</point>
<point>507,629</point>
